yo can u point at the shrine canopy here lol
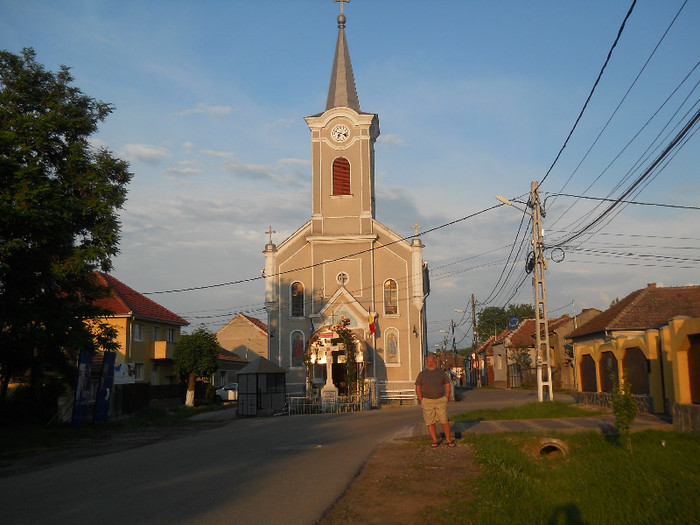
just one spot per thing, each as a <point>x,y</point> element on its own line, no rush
<point>330,339</point>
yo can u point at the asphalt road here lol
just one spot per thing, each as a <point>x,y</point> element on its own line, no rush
<point>265,470</point>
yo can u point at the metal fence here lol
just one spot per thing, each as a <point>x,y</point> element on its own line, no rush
<point>316,405</point>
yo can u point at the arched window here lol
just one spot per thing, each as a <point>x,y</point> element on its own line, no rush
<point>391,344</point>
<point>341,176</point>
<point>297,291</point>
<point>391,300</point>
<point>297,348</point>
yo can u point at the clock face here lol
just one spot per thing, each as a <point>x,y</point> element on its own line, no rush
<point>340,133</point>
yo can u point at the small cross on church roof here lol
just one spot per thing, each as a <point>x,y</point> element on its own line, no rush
<point>269,232</point>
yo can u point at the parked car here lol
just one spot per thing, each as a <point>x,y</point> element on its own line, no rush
<point>227,393</point>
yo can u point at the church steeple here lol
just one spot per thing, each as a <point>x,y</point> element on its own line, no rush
<point>342,91</point>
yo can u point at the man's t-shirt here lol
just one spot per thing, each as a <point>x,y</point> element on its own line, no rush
<point>432,383</point>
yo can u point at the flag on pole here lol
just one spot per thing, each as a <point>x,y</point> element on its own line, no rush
<point>371,323</point>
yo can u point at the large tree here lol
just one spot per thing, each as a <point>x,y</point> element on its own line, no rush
<point>59,199</point>
<point>494,319</point>
<point>196,355</point>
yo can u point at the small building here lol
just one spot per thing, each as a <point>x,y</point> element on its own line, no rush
<point>244,336</point>
<point>261,388</point>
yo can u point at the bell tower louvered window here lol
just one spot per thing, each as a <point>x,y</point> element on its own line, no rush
<point>341,176</point>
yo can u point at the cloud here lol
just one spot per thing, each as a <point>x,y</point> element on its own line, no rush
<point>391,139</point>
<point>212,111</point>
<point>260,172</point>
<point>294,162</point>
<point>184,171</point>
<point>214,153</point>
<point>145,153</point>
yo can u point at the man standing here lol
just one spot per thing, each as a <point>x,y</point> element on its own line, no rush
<point>433,391</point>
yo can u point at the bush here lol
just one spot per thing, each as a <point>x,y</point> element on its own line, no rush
<point>624,408</point>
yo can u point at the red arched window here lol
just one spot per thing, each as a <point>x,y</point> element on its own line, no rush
<point>341,176</point>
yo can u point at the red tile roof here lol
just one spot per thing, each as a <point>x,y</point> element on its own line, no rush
<point>524,335</point>
<point>226,355</point>
<point>127,301</point>
<point>649,307</point>
<point>256,322</point>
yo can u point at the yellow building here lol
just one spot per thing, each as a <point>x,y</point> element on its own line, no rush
<point>146,332</point>
<point>652,337</point>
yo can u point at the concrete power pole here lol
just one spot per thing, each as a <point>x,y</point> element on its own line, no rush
<point>544,369</point>
<point>476,342</point>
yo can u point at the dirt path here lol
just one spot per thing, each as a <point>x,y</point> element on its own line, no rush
<point>400,482</point>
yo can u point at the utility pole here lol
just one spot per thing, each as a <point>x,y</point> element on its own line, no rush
<point>476,342</point>
<point>544,369</point>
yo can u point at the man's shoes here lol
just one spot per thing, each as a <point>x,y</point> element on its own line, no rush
<point>450,443</point>
<point>435,444</point>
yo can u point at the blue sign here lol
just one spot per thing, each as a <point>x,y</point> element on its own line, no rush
<point>81,402</point>
<point>513,323</point>
<point>104,390</point>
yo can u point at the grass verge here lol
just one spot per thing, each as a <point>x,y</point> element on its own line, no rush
<point>599,482</point>
<point>534,410</point>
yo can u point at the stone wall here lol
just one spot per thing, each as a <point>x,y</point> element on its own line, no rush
<point>603,400</point>
<point>686,418</point>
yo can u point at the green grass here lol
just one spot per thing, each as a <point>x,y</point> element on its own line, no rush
<point>599,482</point>
<point>21,439</point>
<point>534,410</point>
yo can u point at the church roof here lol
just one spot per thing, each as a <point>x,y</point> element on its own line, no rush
<point>342,91</point>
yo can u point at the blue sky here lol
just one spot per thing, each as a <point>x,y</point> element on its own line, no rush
<point>475,99</point>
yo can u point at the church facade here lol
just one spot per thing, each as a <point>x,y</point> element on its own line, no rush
<point>343,263</point>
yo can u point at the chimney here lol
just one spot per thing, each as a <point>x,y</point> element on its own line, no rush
<point>651,285</point>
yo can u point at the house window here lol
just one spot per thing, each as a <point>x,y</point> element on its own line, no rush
<point>137,334</point>
<point>391,336</point>
<point>297,290</point>
<point>155,333</point>
<point>297,348</point>
<point>391,303</point>
<point>171,335</point>
<point>341,176</point>
<point>138,371</point>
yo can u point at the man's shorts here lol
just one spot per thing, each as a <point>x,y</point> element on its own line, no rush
<point>434,410</point>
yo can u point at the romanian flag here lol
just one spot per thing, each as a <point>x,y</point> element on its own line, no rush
<point>371,324</point>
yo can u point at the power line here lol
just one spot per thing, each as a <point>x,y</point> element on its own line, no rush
<point>257,278</point>
<point>590,95</point>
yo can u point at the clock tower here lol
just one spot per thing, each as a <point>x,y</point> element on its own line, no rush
<point>342,154</point>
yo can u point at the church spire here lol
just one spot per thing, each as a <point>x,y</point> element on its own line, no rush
<point>342,91</point>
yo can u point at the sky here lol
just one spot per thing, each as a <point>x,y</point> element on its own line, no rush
<point>475,99</point>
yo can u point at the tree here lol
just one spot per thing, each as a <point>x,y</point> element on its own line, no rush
<point>494,319</point>
<point>59,199</point>
<point>196,356</point>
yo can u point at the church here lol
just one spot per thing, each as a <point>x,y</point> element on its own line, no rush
<point>343,266</point>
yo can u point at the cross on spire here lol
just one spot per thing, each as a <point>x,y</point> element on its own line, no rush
<point>341,4</point>
<point>416,227</point>
<point>269,232</point>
